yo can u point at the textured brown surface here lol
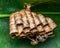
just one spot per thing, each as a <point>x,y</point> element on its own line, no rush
<point>26,24</point>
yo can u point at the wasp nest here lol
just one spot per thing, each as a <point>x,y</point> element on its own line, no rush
<point>27,24</point>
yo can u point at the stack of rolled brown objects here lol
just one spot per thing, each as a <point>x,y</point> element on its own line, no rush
<point>27,24</point>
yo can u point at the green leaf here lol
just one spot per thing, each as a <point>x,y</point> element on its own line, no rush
<point>48,9</point>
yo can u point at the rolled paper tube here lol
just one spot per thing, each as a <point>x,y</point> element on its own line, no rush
<point>42,19</point>
<point>51,23</point>
<point>13,29</point>
<point>18,19</point>
<point>25,22</point>
<point>24,18</point>
<point>36,20</point>
<point>31,21</point>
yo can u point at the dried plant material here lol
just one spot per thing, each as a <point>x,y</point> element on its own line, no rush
<point>42,19</point>
<point>36,20</point>
<point>27,24</point>
<point>13,28</point>
<point>51,23</point>
<point>24,18</point>
<point>31,21</point>
<point>18,18</point>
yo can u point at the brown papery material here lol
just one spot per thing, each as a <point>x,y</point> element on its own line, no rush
<point>25,22</point>
<point>51,23</point>
<point>13,29</point>
<point>42,19</point>
<point>36,20</point>
<point>31,21</point>
<point>18,18</point>
<point>47,29</point>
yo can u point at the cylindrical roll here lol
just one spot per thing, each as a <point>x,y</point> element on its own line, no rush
<point>36,20</point>
<point>18,19</point>
<point>42,19</point>
<point>31,21</point>
<point>25,22</point>
<point>13,28</point>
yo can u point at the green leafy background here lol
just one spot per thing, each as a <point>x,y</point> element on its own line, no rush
<point>9,6</point>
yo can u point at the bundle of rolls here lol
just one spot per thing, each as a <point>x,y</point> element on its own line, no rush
<point>27,24</point>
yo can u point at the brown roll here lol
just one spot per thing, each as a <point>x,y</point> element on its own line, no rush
<point>51,23</point>
<point>25,22</point>
<point>18,19</point>
<point>36,20</point>
<point>31,22</point>
<point>13,29</point>
<point>42,19</point>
